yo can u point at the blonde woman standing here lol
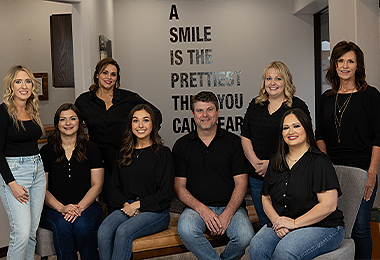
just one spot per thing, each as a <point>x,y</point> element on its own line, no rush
<point>23,182</point>
<point>259,133</point>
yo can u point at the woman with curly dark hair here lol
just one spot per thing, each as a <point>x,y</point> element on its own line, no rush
<point>348,130</point>
<point>142,182</point>
<point>74,173</point>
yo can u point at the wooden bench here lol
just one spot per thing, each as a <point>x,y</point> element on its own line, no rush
<point>168,242</point>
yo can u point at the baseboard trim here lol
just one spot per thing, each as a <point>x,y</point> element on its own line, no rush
<point>3,251</point>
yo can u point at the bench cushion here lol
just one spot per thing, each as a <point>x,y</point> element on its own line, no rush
<point>168,242</point>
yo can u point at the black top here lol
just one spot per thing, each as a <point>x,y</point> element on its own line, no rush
<point>210,170</point>
<point>69,181</point>
<point>263,128</point>
<point>294,192</point>
<point>149,178</point>
<point>106,127</point>
<point>14,143</point>
<point>360,128</point>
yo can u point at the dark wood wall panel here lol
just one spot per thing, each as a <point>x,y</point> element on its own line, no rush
<point>62,50</point>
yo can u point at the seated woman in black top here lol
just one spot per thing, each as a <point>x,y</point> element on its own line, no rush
<point>300,194</point>
<point>143,184</point>
<point>74,171</point>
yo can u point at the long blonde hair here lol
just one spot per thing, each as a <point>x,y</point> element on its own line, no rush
<point>290,89</point>
<point>31,104</point>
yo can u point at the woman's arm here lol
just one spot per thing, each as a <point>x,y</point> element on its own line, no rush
<point>5,171</point>
<point>273,216</point>
<point>97,179</point>
<point>372,172</point>
<point>268,208</point>
<point>260,165</point>
<point>327,203</point>
<point>322,146</point>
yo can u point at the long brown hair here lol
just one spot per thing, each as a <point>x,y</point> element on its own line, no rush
<point>31,104</point>
<point>279,161</point>
<point>102,64</point>
<point>332,77</point>
<point>129,139</point>
<point>55,141</point>
<point>290,89</point>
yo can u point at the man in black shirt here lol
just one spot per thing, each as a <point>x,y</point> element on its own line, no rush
<point>211,180</point>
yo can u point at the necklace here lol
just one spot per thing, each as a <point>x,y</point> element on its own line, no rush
<point>290,159</point>
<point>68,148</point>
<point>337,118</point>
<point>272,108</point>
<point>142,150</point>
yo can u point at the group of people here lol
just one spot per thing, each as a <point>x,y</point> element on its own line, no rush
<point>124,162</point>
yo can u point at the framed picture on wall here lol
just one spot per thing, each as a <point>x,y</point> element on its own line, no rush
<point>42,83</point>
<point>105,47</point>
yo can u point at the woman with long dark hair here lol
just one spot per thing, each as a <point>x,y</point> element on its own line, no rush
<point>74,172</point>
<point>143,184</point>
<point>105,108</point>
<point>300,194</point>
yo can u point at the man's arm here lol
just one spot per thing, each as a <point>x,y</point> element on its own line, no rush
<point>209,217</point>
<point>240,190</point>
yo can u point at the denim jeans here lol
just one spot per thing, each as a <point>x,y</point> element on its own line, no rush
<point>302,243</point>
<point>24,218</point>
<point>361,232</point>
<point>255,187</point>
<point>117,232</point>
<point>191,228</point>
<point>81,235</point>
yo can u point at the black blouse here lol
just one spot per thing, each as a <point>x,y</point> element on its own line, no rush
<point>263,128</point>
<point>14,143</point>
<point>70,180</point>
<point>294,192</point>
<point>149,178</point>
<point>360,128</point>
<point>106,127</point>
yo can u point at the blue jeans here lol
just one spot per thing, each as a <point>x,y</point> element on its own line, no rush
<point>24,218</point>
<point>302,243</point>
<point>117,232</point>
<point>361,232</point>
<point>191,228</point>
<point>255,187</point>
<point>81,235</point>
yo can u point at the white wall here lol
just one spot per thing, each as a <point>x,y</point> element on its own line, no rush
<point>91,18</point>
<point>246,36</point>
<point>25,30</point>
